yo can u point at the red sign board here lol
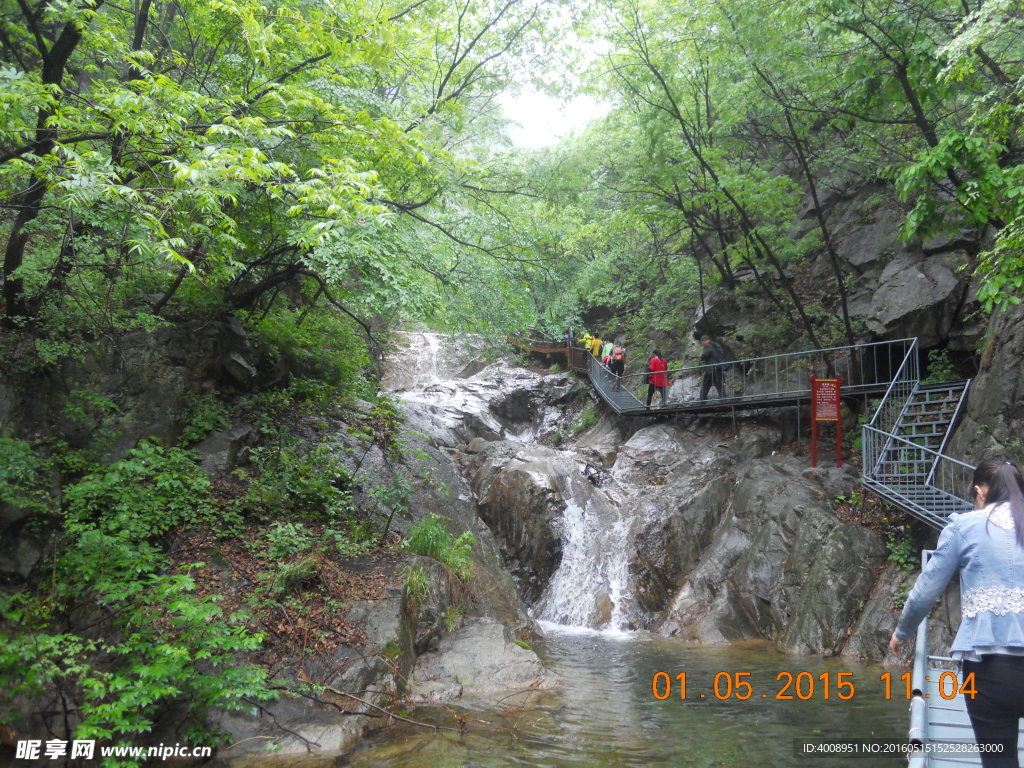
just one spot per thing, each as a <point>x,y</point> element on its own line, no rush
<point>826,406</point>
<point>825,399</point>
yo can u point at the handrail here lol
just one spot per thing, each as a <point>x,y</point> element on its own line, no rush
<point>949,430</point>
<point>910,364</point>
<point>864,368</point>
<point>749,361</point>
<point>918,733</point>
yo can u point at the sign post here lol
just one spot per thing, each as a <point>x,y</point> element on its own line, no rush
<point>826,406</point>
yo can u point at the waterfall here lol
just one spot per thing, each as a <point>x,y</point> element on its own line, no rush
<point>591,587</point>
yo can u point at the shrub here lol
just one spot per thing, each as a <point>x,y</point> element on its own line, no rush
<point>429,537</point>
<point>145,494</point>
<point>287,539</point>
<point>586,419</point>
<point>22,475</point>
<point>203,414</point>
<point>307,484</point>
<point>163,643</point>
<point>317,343</point>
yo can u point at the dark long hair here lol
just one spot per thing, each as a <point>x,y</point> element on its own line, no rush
<point>1004,483</point>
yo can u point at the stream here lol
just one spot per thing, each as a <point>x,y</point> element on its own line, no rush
<point>619,702</point>
<point>606,716</point>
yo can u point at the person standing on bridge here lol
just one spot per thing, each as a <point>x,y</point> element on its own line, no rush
<point>987,545</point>
<point>657,379</point>
<point>618,364</point>
<point>714,360</point>
<point>606,351</point>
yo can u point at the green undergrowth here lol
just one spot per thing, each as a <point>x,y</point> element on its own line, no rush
<point>120,620</point>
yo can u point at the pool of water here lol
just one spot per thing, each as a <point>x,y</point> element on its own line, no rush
<point>606,714</point>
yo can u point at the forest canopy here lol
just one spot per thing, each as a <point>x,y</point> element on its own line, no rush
<point>175,157</point>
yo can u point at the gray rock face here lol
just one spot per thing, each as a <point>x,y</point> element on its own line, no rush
<point>917,296</point>
<point>720,539</point>
<point>780,566</point>
<point>719,314</point>
<point>478,661</point>
<point>518,499</point>
<point>995,406</point>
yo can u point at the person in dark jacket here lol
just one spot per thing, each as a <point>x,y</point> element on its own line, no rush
<point>657,379</point>
<point>712,358</point>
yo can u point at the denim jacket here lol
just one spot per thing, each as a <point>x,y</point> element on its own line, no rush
<point>983,545</point>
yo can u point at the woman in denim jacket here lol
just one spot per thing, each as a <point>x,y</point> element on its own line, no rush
<point>987,545</point>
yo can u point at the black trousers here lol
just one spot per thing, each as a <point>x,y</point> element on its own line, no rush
<point>712,377</point>
<point>997,707</point>
<point>650,394</point>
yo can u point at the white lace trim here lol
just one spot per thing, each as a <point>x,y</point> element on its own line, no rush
<point>997,600</point>
<point>1000,516</point>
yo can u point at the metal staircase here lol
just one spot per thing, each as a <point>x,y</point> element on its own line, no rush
<point>904,442</point>
<point>931,413</point>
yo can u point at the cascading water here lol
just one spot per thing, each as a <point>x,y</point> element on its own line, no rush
<point>591,586</point>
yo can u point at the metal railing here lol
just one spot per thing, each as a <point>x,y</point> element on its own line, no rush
<point>863,367</point>
<point>949,430</point>
<point>918,733</point>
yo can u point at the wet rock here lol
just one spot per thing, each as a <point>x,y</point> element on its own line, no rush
<point>422,359</point>
<point>869,637</point>
<point>780,566</point>
<point>518,499</point>
<point>289,732</point>
<point>601,442</point>
<point>480,660</point>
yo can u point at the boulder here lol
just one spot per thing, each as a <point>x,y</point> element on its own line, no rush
<point>917,296</point>
<point>718,315</point>
<point>518,499</point>
<point>480,661</point>
<point>223,449</point>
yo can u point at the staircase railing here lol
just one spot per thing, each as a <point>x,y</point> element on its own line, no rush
<point>949,430</point>
<point>891,409</point>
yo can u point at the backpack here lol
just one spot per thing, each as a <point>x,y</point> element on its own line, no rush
<point>726,359</point>
<point>721,357</point>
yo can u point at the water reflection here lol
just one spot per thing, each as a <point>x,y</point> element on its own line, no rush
<point>607,717</point>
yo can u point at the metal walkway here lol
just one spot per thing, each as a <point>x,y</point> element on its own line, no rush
<point>903,462</point>
<point>903,444</point>
<point>757,382</point>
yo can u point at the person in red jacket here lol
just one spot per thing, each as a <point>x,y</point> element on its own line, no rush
<point>657,379</point>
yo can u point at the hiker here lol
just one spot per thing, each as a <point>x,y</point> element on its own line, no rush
<point>606,351</point>
<point>657,379</point>
<point>987,545</point>
<point>715,361</point>
<point>618,364</point>
<point>595,347</point>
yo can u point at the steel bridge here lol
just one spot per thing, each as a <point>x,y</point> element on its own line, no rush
<point>903,462</point>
